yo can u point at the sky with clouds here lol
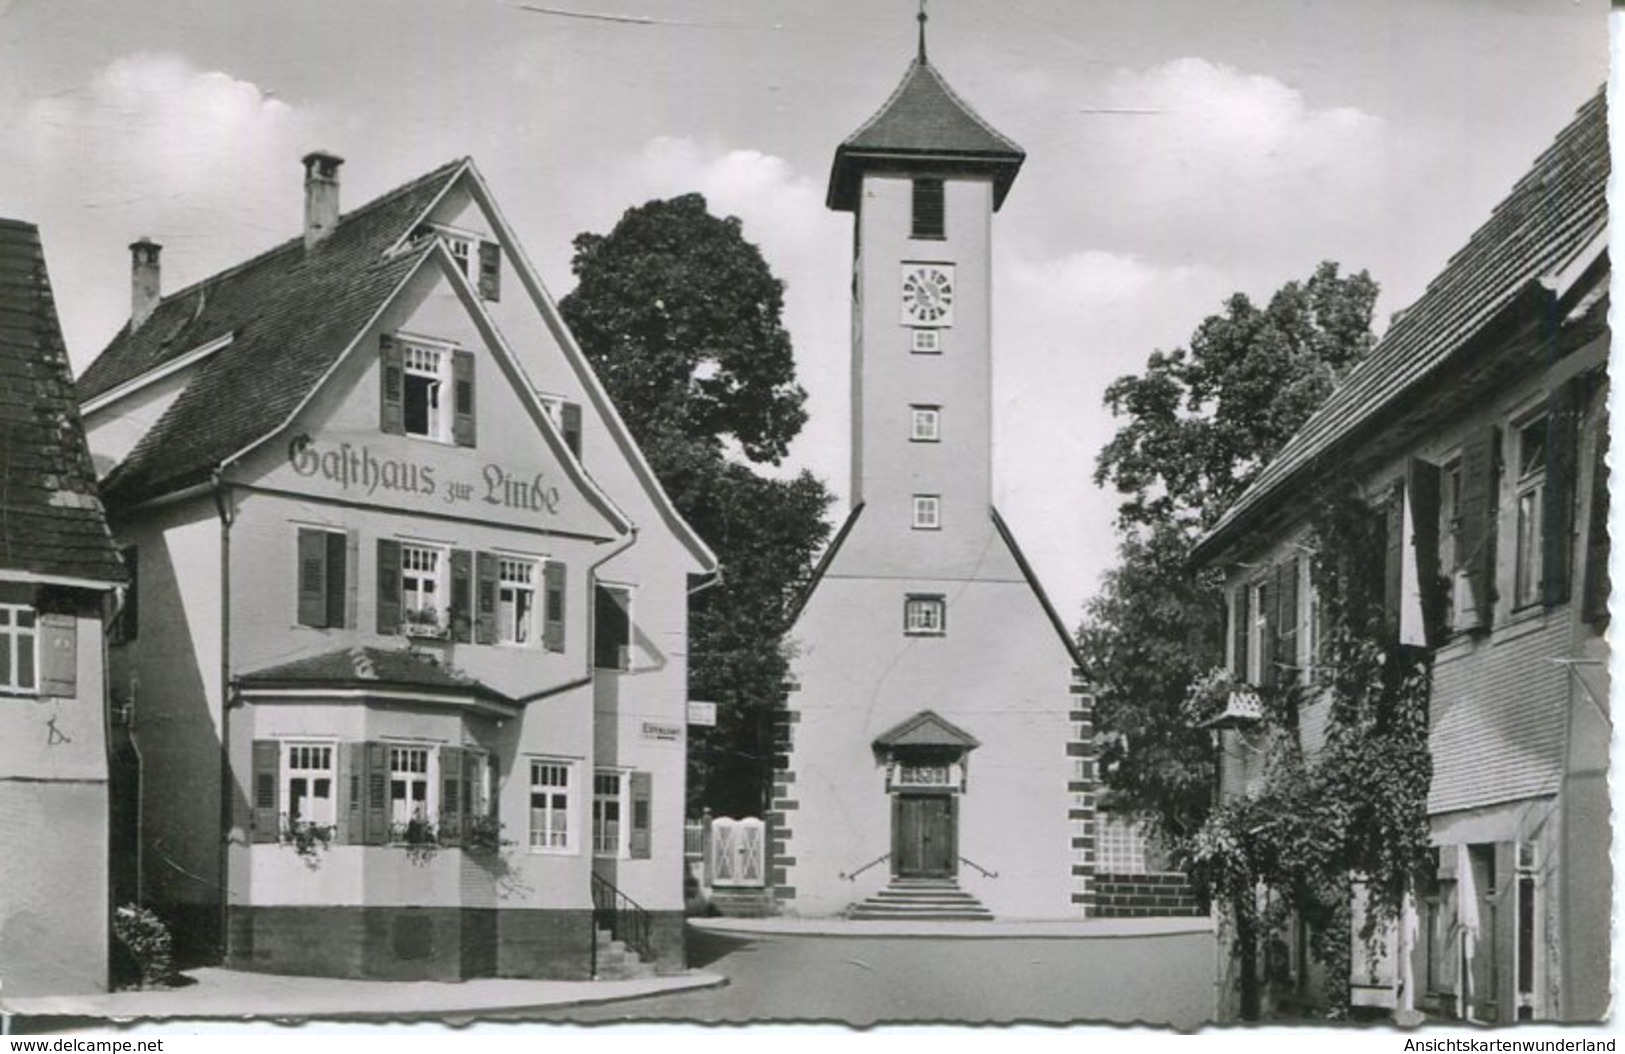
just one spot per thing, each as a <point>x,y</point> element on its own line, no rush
<point>1178,150</point>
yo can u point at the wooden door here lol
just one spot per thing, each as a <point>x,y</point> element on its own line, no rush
<point>924,838</point>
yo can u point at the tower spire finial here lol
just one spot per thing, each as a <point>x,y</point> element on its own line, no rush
<point>922,17</point>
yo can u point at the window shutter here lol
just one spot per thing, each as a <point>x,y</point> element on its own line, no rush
<point>570,425</point>
<point>312,577</point>
<point>1393,561</point>
<point>642,815</point>
<point>490,271</point>
<point>267,790</point>
<point>1238,633</point>
<point>129,622</point>
<point>336,599</point>
<point>1422,488</point>
<point>1286,618</point>
<point>928,209</point>
<point>1478,510</point>
<point>58,654</point>
<point>485,598</point>
<point>462,587</point>
<point>1597,545</point>
<point>392,375</point>
<point>462,382</point>
<point>352,764</point>
<point>375,813</point>
<point>553,580</point>
<point>389,586</point>
<point>1268,672</point>
<point>452,806</point>
<point>1557,498</point>
<point>352,576</point>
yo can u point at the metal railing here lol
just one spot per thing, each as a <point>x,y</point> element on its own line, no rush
<point>623,917</point>
<point>985,872</point>
<point>882,858</point>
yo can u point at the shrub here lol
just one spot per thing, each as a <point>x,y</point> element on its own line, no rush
<point>145,938</point>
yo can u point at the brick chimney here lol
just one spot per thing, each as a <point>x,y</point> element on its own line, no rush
<point>321,196</point>
<point>145,291</point>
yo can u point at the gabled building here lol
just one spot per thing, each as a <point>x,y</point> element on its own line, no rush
<point>1477,429</point>
<point>58,576</point>
<point>936,739</point>
<point>407,674</point>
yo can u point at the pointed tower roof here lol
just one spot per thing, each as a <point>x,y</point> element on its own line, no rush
<point>923,121</point>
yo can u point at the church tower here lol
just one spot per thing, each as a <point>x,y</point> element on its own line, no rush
<point>934,753</point>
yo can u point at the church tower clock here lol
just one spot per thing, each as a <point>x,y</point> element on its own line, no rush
<point>935,750</point>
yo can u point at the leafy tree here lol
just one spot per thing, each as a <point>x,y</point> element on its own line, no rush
<point>1200,423</point>
<point>681,318</point>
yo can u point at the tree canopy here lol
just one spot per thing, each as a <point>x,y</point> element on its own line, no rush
<point>681,318</point>
<point>1199,423</point>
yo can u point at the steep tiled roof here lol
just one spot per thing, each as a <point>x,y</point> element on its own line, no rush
<point>371,668</point>
<point>1551,216</point>
<point>923,119</point>
<point>51,521</point>
<point>290,313</point>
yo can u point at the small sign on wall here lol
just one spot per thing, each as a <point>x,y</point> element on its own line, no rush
<point>702,714</point>
<point>661,732</point>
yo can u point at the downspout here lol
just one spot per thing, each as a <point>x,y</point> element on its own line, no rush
<point>223,510</point>
<point>586,677</point>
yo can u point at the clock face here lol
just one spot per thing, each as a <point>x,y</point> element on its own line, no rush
<point>928,294</point>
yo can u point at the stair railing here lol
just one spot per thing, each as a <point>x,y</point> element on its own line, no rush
<point>623,917</point>
<point>985,872</point>
<point>882,858</point>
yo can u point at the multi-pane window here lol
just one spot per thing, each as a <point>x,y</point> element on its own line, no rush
<point>550,790</point>
<point>308,782</point>
<point>1531,485</point>
<point>608,812</point>
<point>928,209</point>
<point>924,424</point>
<point>425,411</point>
<point>422,589</point>
<point>18,648</point>
<point>409,790</point>
<point>925,341</point>
<point>927,512</point>
<point>925,616</point>
<point>516,600</point>
<point>462,250</point>
<point>477,782</point>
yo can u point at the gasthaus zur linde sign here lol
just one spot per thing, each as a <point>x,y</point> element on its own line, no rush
<point>356,469</point>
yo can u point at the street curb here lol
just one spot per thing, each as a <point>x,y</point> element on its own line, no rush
<point>769,927</point>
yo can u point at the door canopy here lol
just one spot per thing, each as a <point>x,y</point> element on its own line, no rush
<point>925,752</point>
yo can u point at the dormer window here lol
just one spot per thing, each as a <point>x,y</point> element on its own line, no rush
<point>479,259</point>
<point>428,389</point>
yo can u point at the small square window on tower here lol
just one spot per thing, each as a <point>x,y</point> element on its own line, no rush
<point>924,424</point>
<point>926,342</point>
<point>927,512</point>
<point>925,615</point>
<point>928,209</point>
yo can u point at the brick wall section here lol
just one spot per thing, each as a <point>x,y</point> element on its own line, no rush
<point>781,818</point>
<point>1144,896</point>
<point>1080,751</point>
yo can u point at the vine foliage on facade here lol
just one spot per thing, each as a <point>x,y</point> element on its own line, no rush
<point>1350,818</point>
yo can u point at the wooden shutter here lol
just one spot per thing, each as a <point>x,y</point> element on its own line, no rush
<point>375,813</point>
<point>1476,556</point>
<point>1595,601</point>
<point>1422,490</point>
<point>642,814</point>
<point>337,599</point>
<point>462,384</point>
<point>1393,561</point>
<point>1557,497</point>
<point>267,790</point>
<point>392,376</point>
<point>1238,633</point>
<point>570,425</point>
<point>1286,618</point>
<point>553,583</point>
<point>389,586</point>
<point>453,805</point>
<point>462,588</point>
<point>352,763</point>
<point>485,598</point>
<point>1268,672</point>
<point>928,209</point>
<point>58,654</point>
<point>312,577</point>
<point>352,579</point>
<point>490,271</point>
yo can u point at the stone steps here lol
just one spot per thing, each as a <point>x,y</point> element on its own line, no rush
<point>922,900</point>
<point>614,961</point>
